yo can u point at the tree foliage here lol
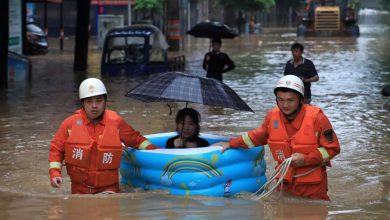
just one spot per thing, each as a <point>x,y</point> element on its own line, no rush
<point>149,5</point>
<point>385,4</point>
<point>291,3</point>
<point>249,5</point>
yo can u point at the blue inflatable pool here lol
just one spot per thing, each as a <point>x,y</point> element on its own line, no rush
<point>194,171</point>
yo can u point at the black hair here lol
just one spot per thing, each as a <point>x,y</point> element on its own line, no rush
<point>193,114</point>
<point>105,98</point>
<point>297,46</point>
<point>288,90</point>
<point>216,40</point>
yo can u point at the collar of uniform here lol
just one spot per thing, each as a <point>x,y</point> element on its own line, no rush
<point>87,121</point>
<point>296,123</point>
<point>302,61</point>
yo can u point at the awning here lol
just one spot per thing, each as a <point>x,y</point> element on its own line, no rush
<point>42,1</point>
<point>112,2</point>
<point>93,2</point>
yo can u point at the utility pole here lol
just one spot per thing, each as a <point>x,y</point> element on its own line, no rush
<point>129,13</point>
<point>62,26</point>
<point>82,34</point>
<point>24,18</point>
<point>173,25</point>
<point>4,32</point>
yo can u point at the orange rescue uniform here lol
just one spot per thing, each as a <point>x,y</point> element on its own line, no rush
<point>92,152</point>
<point>310,134</point>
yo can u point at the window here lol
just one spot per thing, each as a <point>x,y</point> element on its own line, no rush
<point>126,50</point>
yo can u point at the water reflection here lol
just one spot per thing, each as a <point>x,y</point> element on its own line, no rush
<point>160,206</point>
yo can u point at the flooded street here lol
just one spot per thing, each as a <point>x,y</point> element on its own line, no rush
<point>352,73</point>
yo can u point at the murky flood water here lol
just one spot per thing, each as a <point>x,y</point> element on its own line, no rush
<point>352,74</point>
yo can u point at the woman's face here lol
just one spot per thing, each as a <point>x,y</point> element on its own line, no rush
<point>189,127</point>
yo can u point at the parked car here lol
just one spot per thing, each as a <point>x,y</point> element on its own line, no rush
<point>36,39</point>
<point>137,50</point>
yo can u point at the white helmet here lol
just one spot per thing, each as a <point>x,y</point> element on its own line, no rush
<point>91,87</point>
<point>290,82</point>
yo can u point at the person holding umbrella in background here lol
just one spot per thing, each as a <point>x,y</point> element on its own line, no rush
<point>215,62</point>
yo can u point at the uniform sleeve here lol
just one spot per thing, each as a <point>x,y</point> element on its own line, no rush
<point>329,145</point>
<point>256,137</point>
<point>57,149</point>
<point>133,138</point>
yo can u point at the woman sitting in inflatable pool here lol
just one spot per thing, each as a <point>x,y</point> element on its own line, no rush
<point>193,171</point>
<point>188,126</point>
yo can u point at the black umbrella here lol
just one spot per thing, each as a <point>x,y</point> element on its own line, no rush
<point>181,87</point>
<point>386,92</point>
<point>212,29</point>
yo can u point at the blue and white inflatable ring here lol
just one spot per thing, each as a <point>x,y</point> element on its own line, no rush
<point>194,171</point>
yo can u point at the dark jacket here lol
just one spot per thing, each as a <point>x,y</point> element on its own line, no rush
<point>200,142</point>
<point>305,70</point>
<point>218,64</point>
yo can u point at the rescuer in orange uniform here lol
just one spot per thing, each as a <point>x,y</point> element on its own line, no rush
<point>90,143</point>
<point>297,130</point>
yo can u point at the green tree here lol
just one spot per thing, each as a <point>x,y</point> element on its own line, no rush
<point>152,6</point>
<point>249,5</point>
<point>385,4</point>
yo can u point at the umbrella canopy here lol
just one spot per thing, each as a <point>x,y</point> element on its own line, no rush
<point>212,29</point>
<point>181,87</point>
<point>386,91</point>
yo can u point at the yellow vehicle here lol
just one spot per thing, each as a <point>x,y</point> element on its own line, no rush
<point>329,18</point>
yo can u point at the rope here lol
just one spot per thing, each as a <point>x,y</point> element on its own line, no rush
<point>267,189</point>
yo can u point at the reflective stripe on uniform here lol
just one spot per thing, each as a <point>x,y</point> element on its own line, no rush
<point>144,144</point>
<point>247,140</point>
<point>55,165</point>
<point>324,153</point>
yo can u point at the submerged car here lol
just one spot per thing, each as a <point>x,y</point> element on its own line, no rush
<point>137,50</point>
<point>36,40</point>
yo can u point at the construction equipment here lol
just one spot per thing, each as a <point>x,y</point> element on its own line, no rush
<point>328,18</point>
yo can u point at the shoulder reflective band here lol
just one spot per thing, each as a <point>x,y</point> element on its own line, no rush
<point>55,165</point>
<point>247,140</point>
<point>324,153</point>
<point>144,144</point>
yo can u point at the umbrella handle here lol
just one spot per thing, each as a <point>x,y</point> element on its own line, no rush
<point>182,125</point>
<point>170,109</point>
